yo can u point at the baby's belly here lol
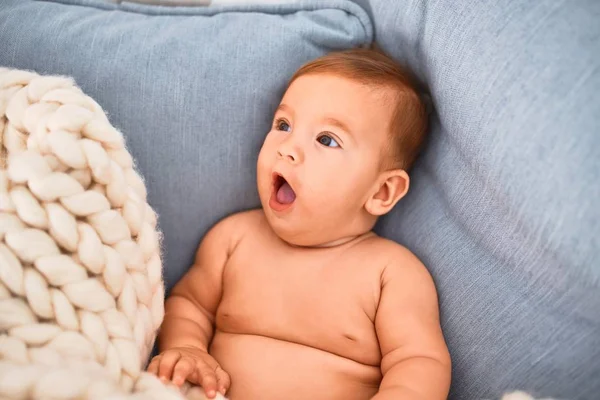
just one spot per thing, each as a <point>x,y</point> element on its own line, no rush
<point>270,369</point>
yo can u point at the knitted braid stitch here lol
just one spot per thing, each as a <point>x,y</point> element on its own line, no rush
<point>81,289</point>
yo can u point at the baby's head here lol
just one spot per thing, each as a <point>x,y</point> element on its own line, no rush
<point>346,132</point>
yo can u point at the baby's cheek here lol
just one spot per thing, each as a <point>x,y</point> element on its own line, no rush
<point>332,198</point>
<point>263,176</point>
<point>265,161</point>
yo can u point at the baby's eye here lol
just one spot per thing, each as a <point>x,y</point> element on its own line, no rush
<point>328,141</point>
<point>281,125</point>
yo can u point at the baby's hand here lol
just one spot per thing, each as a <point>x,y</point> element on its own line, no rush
<point>196,366</point>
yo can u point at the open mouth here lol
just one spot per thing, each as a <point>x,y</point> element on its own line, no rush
<point>283,195</point>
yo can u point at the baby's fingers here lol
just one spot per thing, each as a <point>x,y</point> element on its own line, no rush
<point>207,379</point>
<point>167,362</point>
<point>223,380</point>
<point>153,366</point>
<point>183,369</point>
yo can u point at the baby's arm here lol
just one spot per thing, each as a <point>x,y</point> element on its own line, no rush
<point>416,362</point>
<point>187,328</point>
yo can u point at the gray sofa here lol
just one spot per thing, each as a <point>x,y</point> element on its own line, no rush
<point>504,204</point>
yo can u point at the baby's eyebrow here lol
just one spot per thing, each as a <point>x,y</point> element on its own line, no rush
<point>337,123</point>
<point>284,108</point>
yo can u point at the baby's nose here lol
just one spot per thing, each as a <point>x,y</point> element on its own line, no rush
<point>290,151</point>
<point>290,157</point>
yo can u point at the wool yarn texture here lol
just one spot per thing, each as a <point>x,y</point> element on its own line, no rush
<point>81,288</point>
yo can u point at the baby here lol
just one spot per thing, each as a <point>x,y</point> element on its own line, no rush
<point>300,299</point>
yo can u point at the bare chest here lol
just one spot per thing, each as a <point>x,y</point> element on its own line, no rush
<point>324,300</point>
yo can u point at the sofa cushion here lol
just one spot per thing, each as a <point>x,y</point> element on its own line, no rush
<point>504,206</point>
<point>193,89</point>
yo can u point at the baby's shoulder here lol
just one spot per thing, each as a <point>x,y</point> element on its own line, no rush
<point>386,248</point>
<point>243,219</point>
<point>394,259</point>
<point>235,226</point>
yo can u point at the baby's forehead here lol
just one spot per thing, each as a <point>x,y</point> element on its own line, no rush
<point>353,101</point>
<point>341,88</point>
<point>377,87</point>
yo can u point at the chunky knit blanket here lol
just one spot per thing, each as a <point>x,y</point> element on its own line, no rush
<point>81,289</point>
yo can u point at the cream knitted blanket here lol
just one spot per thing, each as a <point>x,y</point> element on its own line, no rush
<point>81,290</point>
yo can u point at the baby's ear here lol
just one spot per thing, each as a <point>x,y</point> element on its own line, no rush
<point>388,190</point>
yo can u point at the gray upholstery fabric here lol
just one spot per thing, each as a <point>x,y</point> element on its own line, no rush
<point>504,207</point>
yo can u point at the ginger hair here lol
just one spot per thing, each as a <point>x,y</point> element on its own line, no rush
<point>408,124</point>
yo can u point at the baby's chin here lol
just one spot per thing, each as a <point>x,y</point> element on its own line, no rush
<point>289,230</point>
<point>301,233</point>
<point>298,226</point>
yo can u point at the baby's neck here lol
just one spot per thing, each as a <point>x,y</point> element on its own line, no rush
<point>344,241</point>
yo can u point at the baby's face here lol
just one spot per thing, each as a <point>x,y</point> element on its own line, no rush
<point>321,160</point>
